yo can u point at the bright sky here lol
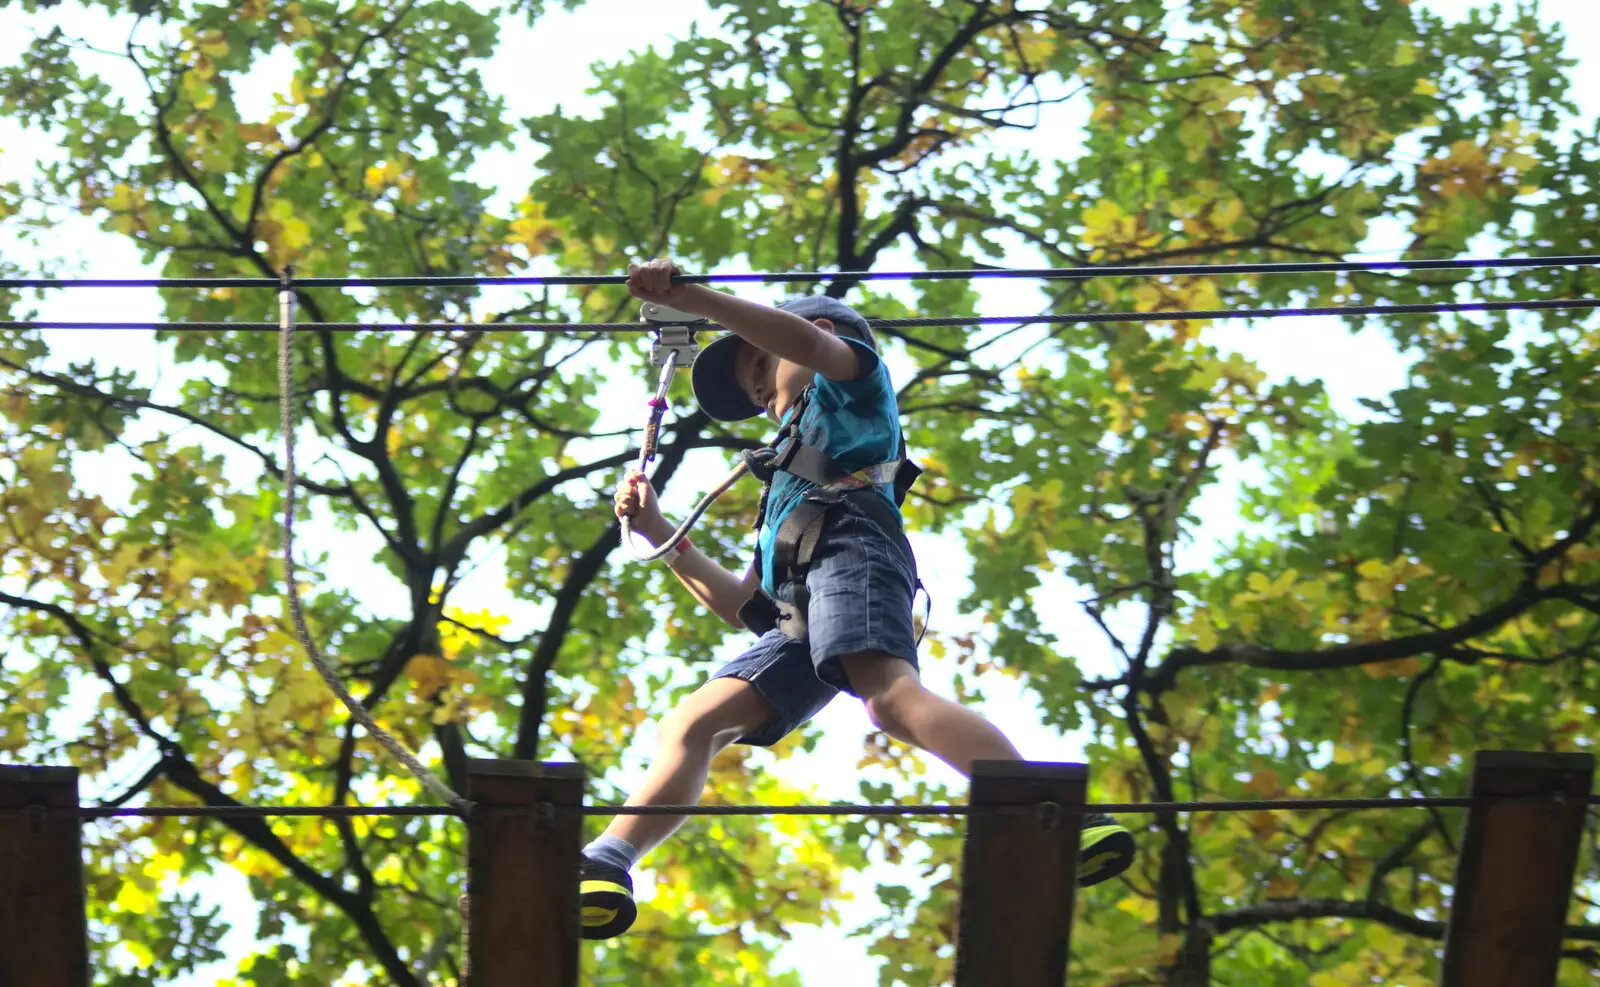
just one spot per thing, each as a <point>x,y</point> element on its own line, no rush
<point>563,45</point>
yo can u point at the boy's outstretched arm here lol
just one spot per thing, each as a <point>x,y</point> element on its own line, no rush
<point>783,334</point>
<point>717,589</point>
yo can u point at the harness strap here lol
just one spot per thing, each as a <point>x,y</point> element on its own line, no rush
<point>795,543</point>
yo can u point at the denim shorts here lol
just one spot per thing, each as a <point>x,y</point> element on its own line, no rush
<point>861,585</point>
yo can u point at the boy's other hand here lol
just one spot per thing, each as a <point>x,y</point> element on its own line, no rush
<point>652,282</point>
<point>636,499</point>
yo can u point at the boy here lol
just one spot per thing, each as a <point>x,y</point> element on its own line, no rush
<point>846,625</point>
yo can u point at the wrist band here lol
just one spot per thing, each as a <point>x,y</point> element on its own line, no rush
<point>677,550</point>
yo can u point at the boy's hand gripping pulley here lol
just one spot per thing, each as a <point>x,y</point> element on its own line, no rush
<point>672,346</point>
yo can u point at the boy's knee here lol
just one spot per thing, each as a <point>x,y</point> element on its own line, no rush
<point>689,727</point>
<point>715,717</point>
<point>888,710</point>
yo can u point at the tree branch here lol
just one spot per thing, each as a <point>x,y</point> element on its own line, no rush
<point>1351,655</point>
<point>1304,909</point>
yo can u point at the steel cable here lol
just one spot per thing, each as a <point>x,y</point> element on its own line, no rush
<point>918,322</point>
<point>808,277</point>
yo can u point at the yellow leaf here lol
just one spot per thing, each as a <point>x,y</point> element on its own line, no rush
<point>132,898</point>
<point>1520,161</point>
<point>431,674</point>
<point>1201,295</point>
<point>295,233</point>
<point>256,133</point>
<point>1205,636</point>
<point>1146,297</point>
<point>1426,87</point>
<point>1037,46</point>
<point>1102,216</point>
<point>1167,948</point>
<point>1140,908</point>
<point>142,954</point>
<point>1373,569</point>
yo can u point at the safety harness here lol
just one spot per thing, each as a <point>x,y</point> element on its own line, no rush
<point>794,545</point>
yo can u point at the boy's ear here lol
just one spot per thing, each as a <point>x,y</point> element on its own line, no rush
<point>826,325</point>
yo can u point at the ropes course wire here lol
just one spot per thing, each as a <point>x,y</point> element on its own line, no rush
<point>286,327</point>
<point>1086,318</point>
<point>805,277</point>
<point>836,809</point>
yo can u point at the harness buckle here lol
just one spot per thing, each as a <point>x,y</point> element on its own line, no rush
<point>674,333</point>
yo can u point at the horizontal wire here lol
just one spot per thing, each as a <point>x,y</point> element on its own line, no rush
<point>841,809</point>
<point>1206,315</point>
<point>793,277</point>
<point>340,326</point>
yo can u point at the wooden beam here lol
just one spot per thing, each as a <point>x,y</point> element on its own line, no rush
<point>1019,874</point>
<point>1514,877</point>
<point>44,931</point>
<point>522,876</point>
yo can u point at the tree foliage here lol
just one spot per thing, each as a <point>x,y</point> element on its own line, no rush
<point>1434,565</point>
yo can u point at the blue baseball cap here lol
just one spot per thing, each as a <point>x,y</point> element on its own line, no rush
<point>716,387</point>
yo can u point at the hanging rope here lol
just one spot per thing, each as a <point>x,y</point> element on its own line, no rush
<point>947,321</point>
<point>286,326</point>
<point>848,277</point>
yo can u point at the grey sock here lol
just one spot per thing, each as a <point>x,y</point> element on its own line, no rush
<point>612,852</point>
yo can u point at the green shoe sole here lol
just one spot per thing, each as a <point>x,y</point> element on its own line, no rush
<point>607,909</point>
<point>1107,850</point>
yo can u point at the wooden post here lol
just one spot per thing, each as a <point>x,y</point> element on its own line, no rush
<point>1514,877</point>
<point>44,931</point>
<point>522,873</point>
<point>1019,874</point>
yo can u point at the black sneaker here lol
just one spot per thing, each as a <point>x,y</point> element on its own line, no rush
<point>605,896</point>
<point>1107,849</point>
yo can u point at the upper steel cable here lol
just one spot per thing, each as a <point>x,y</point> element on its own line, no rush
<point>1204,315</point>
<point>794,277</point>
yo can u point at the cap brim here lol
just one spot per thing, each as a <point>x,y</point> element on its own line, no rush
<point>716,387</point>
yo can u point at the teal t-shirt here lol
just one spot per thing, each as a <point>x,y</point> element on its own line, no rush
<point>856,422</point>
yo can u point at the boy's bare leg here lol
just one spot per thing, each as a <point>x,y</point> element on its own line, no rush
<point>713,717</point>
<point>902,707</point>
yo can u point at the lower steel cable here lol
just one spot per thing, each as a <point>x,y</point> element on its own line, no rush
<point>842,809</point>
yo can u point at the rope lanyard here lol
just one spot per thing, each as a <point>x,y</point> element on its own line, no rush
<point>286,327</point>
